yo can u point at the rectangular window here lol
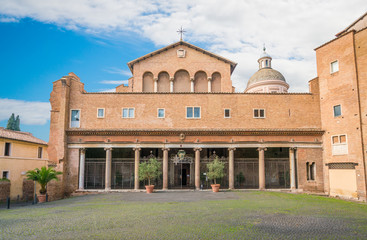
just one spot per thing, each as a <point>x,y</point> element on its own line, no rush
<point>75,119</point>
<point>339,144</point>
<point>311,170</point>
<point>100,113</point>
<point>39,152</point>
<point>227,113</point>
<point>5,174</point>
<point>128,112</point>
<point>259,113</point>
<point>334,67</point>
<point>337,111</point>
<point>7,149</point>
<point>193,112</point>
<point>161,113</point>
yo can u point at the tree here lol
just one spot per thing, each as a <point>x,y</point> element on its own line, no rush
<point>215,170</point>
<point>149,170</point>
<point>17,124</point>
<point>43,176</point>
<point>13,123</point>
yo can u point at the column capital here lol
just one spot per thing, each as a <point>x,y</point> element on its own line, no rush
<point>108,149</point>
<point>209,79</point>
<point>136,148</point>
<point>82,150</point>
<point>155,79</point>
<point>192,79</point>
<point>165,149</point>
<point>232,149</point>
<point>198,149</point>
<point>292,148</point>
<point>171,79</point>
<point>262,149</point>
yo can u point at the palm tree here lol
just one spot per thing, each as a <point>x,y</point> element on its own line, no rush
<point>43,176</point>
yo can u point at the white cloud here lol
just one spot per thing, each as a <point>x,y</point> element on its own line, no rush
<point>233,28</point>
<point>114,82</point>
<point>30,113</point>
<point>118,71</point>
<point>108,90</point>
<point>8,19</point>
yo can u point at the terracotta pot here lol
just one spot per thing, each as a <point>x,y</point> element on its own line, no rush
<point>215,187</point>
<point>41,198</point>
<point>149,188</point>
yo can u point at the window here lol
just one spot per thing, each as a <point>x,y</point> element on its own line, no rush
<point>5,174</point>
<point>39,152</point>
<point>337,111</point>
<point>227,113</point>
<point>193,112</point>
<point>339,144</point>
<point>334,67</point>
<point>7,149</point>
<point>75,119</point>
<point>311,170</point>
<point>128,112</point>
<point>161,113</point>
<point>259,113</point>
<point>100,113</point>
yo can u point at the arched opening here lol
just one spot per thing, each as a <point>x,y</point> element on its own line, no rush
<point>182,81</point>
<point>216,82</point>
<point>163,82</point>
<point>148,85</point>
<point>201,82</point>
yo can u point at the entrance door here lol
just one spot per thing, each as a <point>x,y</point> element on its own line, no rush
<point>182,175</point>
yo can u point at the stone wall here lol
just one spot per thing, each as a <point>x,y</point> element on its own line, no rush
<point>310,155</point>
<point>4,190</point>
<point>28,190</point>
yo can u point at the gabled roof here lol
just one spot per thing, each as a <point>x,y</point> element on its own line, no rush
<point>131,63</point>
<point>20,136</point>
<point>352,25</point>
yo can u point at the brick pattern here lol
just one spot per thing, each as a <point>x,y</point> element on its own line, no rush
<point>4,190</point>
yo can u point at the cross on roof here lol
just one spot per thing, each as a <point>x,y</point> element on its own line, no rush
<point>181,31</point>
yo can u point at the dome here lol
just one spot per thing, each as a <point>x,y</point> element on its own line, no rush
<point>265,74</point>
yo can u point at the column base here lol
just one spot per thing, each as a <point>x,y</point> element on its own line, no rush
<point>197,188</point>
<point>164,189</point>
<point>107,189</point>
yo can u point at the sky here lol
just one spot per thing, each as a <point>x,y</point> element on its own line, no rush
<point>43,40</point>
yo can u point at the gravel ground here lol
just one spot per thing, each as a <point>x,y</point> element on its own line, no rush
<point>188,215</point>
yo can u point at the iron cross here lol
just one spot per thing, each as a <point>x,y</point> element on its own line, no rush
<point>181,31</point>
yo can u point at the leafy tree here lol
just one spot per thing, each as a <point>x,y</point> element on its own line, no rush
<point>149,170</point>
<point>17,124</point>
<point>43,176</point>
<point>13,123</point>
<point>215,170</point>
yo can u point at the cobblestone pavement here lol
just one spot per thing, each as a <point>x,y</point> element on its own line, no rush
<point>188,215</point>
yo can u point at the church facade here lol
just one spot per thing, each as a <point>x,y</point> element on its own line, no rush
<point>181,108</point>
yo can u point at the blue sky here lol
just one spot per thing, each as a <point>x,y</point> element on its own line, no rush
<point>41,41</point>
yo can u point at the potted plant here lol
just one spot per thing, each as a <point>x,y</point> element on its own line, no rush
<point>43,176</point>
<point>149,170</point>
<point>215,171</point>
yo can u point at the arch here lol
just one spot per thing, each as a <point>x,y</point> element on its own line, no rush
<point>201,82</point>
<point>182,81</point>
<point>163,82</point>
<point>148,85</point>
<point>216,82</point>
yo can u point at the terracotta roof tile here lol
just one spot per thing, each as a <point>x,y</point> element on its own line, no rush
<point>20,136</point>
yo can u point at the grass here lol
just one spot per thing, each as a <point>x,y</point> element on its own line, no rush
<point>232,215</point>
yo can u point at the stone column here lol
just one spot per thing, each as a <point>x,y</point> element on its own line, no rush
<point>171,84</point>
<point>192,84</point>
<point>209,84</point>
<point>81,169</point>
<point>108,168</point>
<point>197,168</point>
<point>292,168</point>
<point>137,161</point>
<point>261,167</point>
<point>165,168</point>
<point>172,173</point>
<point>155,84</point>
<point>231,168</point>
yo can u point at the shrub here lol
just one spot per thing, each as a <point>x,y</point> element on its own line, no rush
<point>215,170</point>
<point>149,170</point>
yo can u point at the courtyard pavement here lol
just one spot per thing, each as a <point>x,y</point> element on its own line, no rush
<point>188,215</point>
